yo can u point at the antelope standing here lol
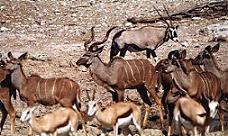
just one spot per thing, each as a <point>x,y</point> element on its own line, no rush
<point>171,93</point>
<point>61,121</point>
<point>207,59</point>
<point>204,87</point>
<point>146,38</point>
<point>120,74</point>
<point>120,114</point>
<point>190,115</point>
<point>6,107</point>
<point>35,89</point>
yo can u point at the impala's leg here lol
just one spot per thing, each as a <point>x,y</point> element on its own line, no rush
<point>115,128</point>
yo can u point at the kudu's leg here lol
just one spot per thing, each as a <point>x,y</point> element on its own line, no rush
<point>154,96</point>
<point>114,96</point>
<point>221,115</point>
<point>120,95</point>
<point>4,116</point>
<point>12,113</point>
<point>143,94</point>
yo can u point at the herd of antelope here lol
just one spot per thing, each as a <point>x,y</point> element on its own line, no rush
<point>194,89</point>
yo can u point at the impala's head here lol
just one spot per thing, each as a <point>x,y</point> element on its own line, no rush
<point>206,55</point>
<point>88,58</point>
<point>27,114</point>
<point>13,63</point>
<point>93,105</point>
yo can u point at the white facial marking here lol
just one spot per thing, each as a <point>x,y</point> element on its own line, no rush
<point>26,115</point>
<point>213,108</point>
<point>92,108</point>
<point>175,39</point>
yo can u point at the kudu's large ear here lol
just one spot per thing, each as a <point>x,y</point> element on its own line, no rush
<point>23,56</point>
<point>215,48</point>
<point>183,54</point>
<point>208,48</point>
<point>10,56</point>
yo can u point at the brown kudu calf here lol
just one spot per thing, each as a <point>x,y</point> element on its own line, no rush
<point>35,89</point>
<point>207,59</point>
<point>6,107</point>
<point>171,94</point>
<point>120,74</point>
<point>201,86</point>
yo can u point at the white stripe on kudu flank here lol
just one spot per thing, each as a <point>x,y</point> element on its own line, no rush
<point>143,70</point>
<point>132,72</point>
<point>45,88</point>
<point>53,89</point>
<point>37,92</point>
<point>71,85</point>
<point>137,69</point>
<point>126,74</point>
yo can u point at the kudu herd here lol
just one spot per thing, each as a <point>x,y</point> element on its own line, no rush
<point>193,88</point>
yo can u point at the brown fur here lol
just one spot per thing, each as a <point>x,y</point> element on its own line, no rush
<point>7,108</point>
<point>120,74</point>
<point>193,112</point>
<point>50,122</point>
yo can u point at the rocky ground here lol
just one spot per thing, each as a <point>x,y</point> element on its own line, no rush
<point>54,32</point>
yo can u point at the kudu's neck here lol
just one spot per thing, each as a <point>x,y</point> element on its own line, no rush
<point>181,79</point>
<point>99,69</point>
<point>211,66</point>
<point>18,78</point>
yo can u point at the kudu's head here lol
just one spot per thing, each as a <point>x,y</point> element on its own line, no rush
<point>92,49</point>
<point>171,31</point>
<point>173,62</point>
<point>93,105</point>
<point>88,58</point>
<point>13,63</point>
<point>206,55</point>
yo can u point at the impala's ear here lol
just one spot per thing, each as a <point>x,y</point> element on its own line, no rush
<point>215,48</point>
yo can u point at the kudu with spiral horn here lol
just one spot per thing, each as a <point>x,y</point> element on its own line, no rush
<point>120,74</point>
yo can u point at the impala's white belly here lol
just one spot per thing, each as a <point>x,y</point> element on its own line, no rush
<point>125,121</point>
<point>65,129</point>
